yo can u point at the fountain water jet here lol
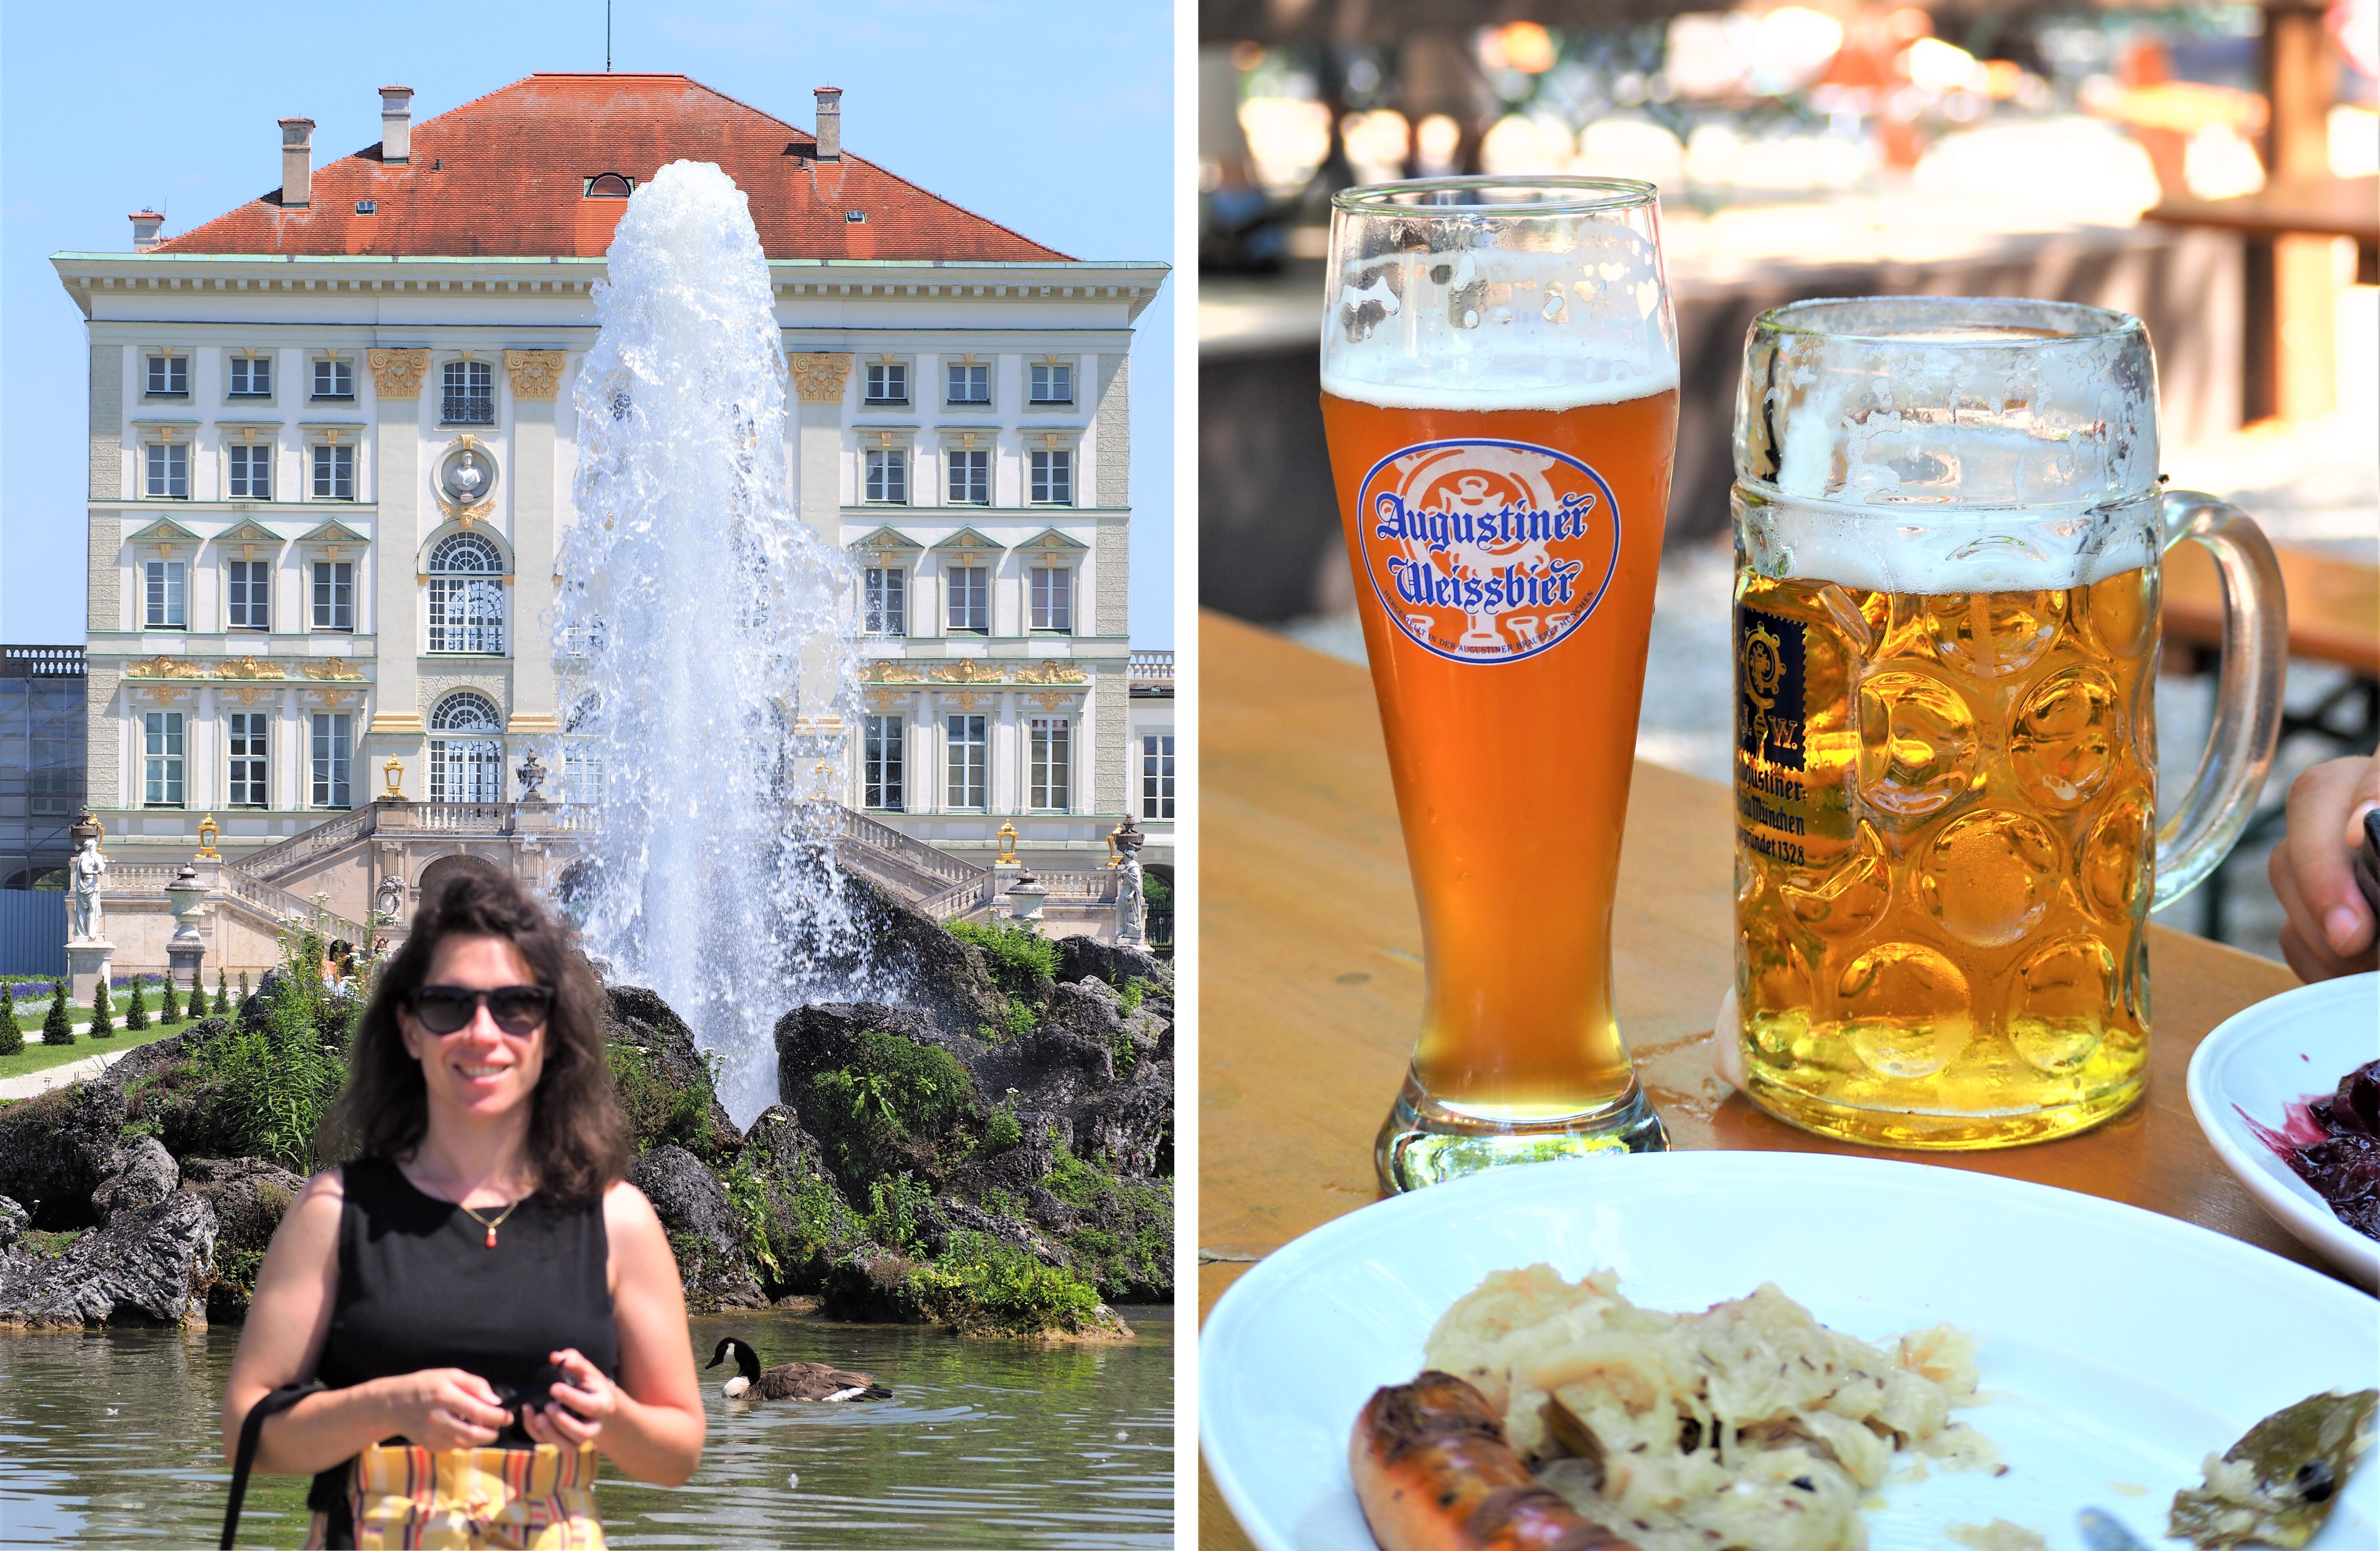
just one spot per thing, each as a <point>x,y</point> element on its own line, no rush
<point>704,644</point>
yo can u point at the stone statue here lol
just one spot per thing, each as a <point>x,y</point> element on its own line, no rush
<point>532,774</point>
<point>1131,904</point>
<point>85,871</point>
<point>389,899</point>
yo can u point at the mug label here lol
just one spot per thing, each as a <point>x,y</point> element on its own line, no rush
<point>1487,552</point>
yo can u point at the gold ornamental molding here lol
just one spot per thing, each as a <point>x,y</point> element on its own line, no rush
<point>332,668</point>
<point>882,700</point>
<point>1052,700</point>
<point>1053,672</point>
<point>891,670</point>
<point>965,699</point>
<point>463,481</point>
<point>396,724</point>
<point>245,694</point>
<point>162,667</point>
<point>249,668</point>
<point>398,373</point>
<point>819,379</point>
<point>535,373</point>
<point>967,670</point>
<point>339,699</point>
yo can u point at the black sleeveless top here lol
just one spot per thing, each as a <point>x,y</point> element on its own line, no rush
<point>419,1287</point>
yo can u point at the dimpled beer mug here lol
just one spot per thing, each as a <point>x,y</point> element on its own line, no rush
<point>1947,524</point>
<point>1499,387</point>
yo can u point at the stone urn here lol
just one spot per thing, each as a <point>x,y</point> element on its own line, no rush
<point>186,952</point>
<point>1026,897</point>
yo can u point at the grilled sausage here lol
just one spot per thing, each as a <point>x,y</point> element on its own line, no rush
<point>1434,1473</point>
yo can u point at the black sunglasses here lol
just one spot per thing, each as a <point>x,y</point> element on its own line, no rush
<point>516,1008</point>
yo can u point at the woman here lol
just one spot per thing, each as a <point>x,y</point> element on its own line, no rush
<point>480,1278</point>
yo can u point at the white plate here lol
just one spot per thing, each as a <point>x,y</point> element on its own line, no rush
<point>2292,1047</point>
<point>2122,1347</point>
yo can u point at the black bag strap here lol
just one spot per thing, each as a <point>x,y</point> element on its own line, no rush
<point>251,1433</point>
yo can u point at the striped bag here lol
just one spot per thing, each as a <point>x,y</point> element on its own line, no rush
<point>507,1499</point>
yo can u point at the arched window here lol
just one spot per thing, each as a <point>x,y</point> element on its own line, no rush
<point>466,596</point>
<point>467,763</point>
<point>609,186</point>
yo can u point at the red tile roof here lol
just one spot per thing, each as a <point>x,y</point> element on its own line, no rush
<point>504,175</point>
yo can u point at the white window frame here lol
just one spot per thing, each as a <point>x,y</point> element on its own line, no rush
<point>166,375</point>
<point>332,471</point>
<point>238,364</point>
<point>331,585</point>
<point>1049,475</point>
<point>1050,384</point>
<point>967,591</point>
<point>248,759</point>
<point>967,476</point>
<point>965,376</point>
<point>884,764</point>
<point>885,476</point>
<point>471,373</point>
<point>165,595</point>
<point>885,384</point>
<point>330,762</point>
<point>243,463</point>
<point>1049,764</point>
<point>466,607</point>
<point>163,751</point>
<point>1051,590</point>
<point>1157,775</point>
<point>341,372</point>
<point>248,595</point>
<point>467,763</point>
<point>967,762</point>
<point>885,598</point>
<point>165,470</point>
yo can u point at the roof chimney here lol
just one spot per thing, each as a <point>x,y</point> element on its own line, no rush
<point>830,123</point>
<point>395,126</point>
<point>145,223</point>
<point>296,162</point>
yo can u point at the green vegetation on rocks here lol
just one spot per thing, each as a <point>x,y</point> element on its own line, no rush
<point>1123,1237</point>
<point>979,1286</point>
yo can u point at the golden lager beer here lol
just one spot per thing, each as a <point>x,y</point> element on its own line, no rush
<point>1500,378</point>
<point>1945,724</point>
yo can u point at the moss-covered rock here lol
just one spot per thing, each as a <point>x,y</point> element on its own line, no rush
<point>703,1232</point>
<point>664,1081</point>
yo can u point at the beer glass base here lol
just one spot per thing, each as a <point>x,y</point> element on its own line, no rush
<point>1940,1133</point>
<point>1422,1142</point>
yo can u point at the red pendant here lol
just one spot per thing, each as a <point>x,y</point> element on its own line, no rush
<point>491,1238</point>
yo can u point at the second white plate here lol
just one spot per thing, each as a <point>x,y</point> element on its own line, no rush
<point>2121,1347</point>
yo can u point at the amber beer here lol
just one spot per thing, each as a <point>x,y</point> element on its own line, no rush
<point>1511,775</point>
<point>1943,813</point>
<point>1949,521</point>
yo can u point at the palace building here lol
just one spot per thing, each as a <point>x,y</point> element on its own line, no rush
<point>332,441</point>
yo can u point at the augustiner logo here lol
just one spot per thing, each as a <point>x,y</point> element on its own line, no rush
<point>1487,552</point>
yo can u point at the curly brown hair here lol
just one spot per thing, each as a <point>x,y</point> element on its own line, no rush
<point>578,1136</point>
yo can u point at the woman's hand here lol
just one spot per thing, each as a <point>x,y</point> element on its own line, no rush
<point>578,1409</point>
<point>440,1408</point>
<point>2329,930</point>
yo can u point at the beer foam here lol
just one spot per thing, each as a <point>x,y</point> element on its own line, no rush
<point>1502,328</point>
<point>1944,550</point>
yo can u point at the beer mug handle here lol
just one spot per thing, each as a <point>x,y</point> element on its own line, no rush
<point>2222,798</point>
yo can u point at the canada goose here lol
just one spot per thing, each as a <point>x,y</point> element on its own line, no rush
<point>792,1381</point>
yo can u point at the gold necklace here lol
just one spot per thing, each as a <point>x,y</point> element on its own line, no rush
<point>490,1223</point>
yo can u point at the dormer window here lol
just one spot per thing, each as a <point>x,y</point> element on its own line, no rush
<point>609,186</point>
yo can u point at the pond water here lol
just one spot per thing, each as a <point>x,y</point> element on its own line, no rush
<point>109,1440</point>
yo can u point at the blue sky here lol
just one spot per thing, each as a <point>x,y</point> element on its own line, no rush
<point>1052,116</point>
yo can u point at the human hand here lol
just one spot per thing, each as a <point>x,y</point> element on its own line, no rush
<point>2329,931</point>
<point>576,1412</point>
<point>442,1408</point>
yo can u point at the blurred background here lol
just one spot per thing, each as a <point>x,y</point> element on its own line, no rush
<point>2214,169</point>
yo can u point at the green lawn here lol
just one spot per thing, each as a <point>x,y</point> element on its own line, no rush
<point>37,1056</point>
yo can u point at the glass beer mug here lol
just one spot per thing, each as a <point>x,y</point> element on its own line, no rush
<point>1947,524</point>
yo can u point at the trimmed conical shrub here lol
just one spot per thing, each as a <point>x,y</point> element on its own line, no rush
<point>244,992</point>
<point>137,1015</point>
<point>102,1018</point>
<point>57,1028</point>
<point>12,1038</point>
<point>170,1009</point>
<point>222,996</point>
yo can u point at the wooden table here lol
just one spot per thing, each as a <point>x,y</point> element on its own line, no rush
<point>1310,983</point>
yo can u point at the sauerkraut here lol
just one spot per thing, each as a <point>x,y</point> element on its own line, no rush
<point>1747,1425</point>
